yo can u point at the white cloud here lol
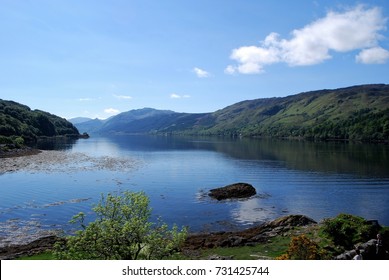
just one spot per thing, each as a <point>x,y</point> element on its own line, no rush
<point>173,95</point>
<point>230,69</point>
<point>354,29</point>
<point>201,73</point>
<point>376,55</point>
<point>177,96</point>
<point>122,97</point>
<point>85,99</point>
<point>111,111</point>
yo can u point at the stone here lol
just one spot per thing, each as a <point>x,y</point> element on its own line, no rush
<point>237,190</point>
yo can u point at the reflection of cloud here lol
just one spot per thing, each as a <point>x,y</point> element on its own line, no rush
<point>252,211</point>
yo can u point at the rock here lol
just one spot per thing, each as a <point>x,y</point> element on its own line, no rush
<point>232,241</point>
<point>252,236</point>
<point>292,221</point>
<point>237,190</point>
<point>35,247</point>
<point>367,249</point>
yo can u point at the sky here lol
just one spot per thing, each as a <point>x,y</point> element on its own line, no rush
<point>95,58</point>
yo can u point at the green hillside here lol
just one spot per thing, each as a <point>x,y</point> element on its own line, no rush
<point>19,124</point>
<point>359,113</point>
<point>354,113</point>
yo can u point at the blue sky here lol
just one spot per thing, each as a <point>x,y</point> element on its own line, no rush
<point>97,58</point>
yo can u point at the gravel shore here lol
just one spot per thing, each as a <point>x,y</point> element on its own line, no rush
<point>63,161</point>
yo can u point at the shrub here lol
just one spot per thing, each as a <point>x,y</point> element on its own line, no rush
<point>19,142</point>
<point>302,248</point>
<point>346,230</point>
<point>122,230</point>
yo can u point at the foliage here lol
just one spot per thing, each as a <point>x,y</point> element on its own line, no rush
<point>347,230</point>
<point>122,230</point>
<point>20,125</point>
<point>302,248</point>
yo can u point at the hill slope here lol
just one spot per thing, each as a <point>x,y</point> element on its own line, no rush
<point>19,121</point>
<point>359,112</point>
<point>354,113</point>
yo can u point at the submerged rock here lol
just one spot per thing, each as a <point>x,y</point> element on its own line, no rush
<point>237,190</point>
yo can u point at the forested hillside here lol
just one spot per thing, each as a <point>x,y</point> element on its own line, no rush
<point>354,113</point>
<point>358,113</point>
<point>19,124</point>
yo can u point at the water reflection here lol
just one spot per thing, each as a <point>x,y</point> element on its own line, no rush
<point>56,143</point>
<point>252,211</point>
<point>315,179</point>
<point>334,157</point>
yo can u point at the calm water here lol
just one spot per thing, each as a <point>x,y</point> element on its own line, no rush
<point>316,179</point>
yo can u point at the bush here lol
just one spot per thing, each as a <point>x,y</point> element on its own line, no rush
<point>19,142</point>
<point>302,248</point>
<point>122,230</point>
<point>347,230</point>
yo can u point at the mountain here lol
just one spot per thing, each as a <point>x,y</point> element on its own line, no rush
<point>19,122</point>
<point>79,120</point>
<point>148,120</point>
<point>354,113</point>
<point>358,112</point>
<point>91,126</point>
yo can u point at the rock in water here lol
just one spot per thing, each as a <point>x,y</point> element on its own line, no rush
<point>237,190</point>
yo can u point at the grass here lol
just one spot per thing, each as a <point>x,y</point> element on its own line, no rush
<point>42,256</point>
<point>276,247</point>
<point>270,250</point>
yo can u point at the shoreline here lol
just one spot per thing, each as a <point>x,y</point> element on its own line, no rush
<point>285,227</point>
<point>21,152</point>
<point>194,241</point>
<point>48,161</point>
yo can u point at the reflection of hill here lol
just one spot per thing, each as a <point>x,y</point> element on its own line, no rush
<point>358,159</point>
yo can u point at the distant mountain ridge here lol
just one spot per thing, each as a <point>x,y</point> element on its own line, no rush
<point>352,113</point>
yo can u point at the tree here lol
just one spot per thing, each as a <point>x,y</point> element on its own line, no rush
<point>122,230</point>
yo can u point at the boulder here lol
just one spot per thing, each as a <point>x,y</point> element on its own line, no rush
<point>237,190</point>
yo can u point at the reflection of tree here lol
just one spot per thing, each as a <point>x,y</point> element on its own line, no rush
<point>56,143</point>
<point>362,159</point>
<point>340,157</point>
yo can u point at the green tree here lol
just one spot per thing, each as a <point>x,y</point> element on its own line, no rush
<point>122,230</point>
